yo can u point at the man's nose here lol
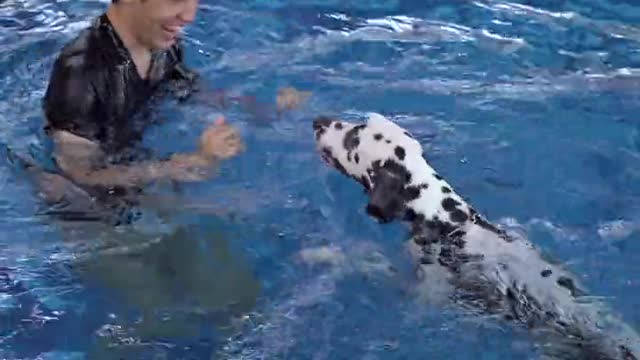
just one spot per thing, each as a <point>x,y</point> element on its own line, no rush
<point>188,14</point>
<point>321,122</point>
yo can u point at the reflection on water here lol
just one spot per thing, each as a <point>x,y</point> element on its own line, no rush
<point>182,284</point>
<point>179,284</point>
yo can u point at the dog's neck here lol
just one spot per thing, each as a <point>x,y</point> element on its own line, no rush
<point>439,210</point>
<point>426,222</point>
<point>430,224</point>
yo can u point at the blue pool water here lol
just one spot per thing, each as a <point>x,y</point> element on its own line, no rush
<point>529,108</point>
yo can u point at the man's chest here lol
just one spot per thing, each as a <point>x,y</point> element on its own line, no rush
<point>123,90</point>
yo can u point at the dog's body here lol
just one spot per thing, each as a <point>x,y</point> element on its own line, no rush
<point>485,266</point>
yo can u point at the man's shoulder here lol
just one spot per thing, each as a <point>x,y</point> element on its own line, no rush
<point>73,73</point>
<point>83,52</point>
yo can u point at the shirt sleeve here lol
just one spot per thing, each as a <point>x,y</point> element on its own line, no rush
<point>70,100</point>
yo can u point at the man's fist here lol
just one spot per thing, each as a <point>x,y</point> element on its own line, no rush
<point>220,141</point>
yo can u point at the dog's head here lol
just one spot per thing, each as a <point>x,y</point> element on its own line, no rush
<point>380,155</point>
<point>389,163</point>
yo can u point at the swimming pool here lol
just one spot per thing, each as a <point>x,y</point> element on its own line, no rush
<point>528,108</point>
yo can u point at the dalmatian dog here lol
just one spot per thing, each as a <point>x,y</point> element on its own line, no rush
<point>486,267</point>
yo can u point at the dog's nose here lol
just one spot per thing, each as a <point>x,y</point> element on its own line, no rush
<point>321,122</point>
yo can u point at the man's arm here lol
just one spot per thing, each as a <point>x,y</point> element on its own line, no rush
<point>82,160</point>
<point>73,108</point>
<point>188,84</point>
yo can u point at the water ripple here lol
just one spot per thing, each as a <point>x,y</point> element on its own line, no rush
<point>566,19</point>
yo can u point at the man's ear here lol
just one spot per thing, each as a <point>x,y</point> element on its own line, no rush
<point>385,199</point>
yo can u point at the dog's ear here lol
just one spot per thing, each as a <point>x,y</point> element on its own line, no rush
<point>385,198</point>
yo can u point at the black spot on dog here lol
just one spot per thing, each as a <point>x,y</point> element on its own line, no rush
<point>420,231</point>
<point>356,158</point>
<point>421,240</point>
<point>378,213</point>
<point>377,137</point>
<point>449,204</point>
<point>458,233</point>
<point>400,153</point>
<point>351,143</point>
<point>411,193</point>
<point>568,284</point>
<point>432,224</point>
<point>426,260</point>
<point>458,242</point>
<point>458,216</point>
<point>437,176</point>
<point>388,141</point>
<point>322,122</point>
<point>480,221</point>
<point>439,227</point>
<point>410,215</point>
<point>389,195</point>
<point>392,167</point>
<point>446,252</point>
<point>351,138</point>
<point>407,134</point>
<point>451,257</point>
<point>446,190</point>
<point>338,126</point>
<point>562,323</point>
<point>546,273</point>
<point>320,132</point>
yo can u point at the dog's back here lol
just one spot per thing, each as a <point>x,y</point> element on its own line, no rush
<point>510,277</point>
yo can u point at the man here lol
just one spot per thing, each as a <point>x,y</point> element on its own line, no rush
<point>95,108</point>
<point>97,99</point>
<point>96,104</point>
<point>100,84</point>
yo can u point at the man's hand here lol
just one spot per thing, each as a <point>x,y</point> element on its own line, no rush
<point>289,98</point>
<point>220,141</point>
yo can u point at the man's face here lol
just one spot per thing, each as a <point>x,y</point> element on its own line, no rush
<point>159,22</point>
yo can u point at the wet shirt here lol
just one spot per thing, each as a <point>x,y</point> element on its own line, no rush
<point>95,90</point>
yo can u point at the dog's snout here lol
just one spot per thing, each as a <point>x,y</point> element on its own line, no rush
<point>321,123</point>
